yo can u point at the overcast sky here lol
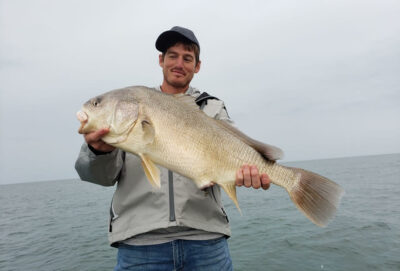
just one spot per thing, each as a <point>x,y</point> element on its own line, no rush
<point>318,78</point>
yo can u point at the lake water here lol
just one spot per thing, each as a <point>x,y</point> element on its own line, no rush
<point>62,225</point>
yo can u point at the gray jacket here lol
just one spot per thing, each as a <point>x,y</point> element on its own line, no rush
<point>137,207</point>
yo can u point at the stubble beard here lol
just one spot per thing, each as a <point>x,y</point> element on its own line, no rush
<point>178,84</point>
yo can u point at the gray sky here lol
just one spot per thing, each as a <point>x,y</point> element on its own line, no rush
<point>319,78</point>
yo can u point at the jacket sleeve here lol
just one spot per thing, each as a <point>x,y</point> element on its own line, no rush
<point>99,169</point>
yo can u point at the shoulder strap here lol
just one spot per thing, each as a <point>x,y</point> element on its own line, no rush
<point>201,101</point>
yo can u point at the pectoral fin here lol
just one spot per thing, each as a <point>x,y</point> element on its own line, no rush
<point>230,190</point>
<point>151,170</point>
<point>148,132</point>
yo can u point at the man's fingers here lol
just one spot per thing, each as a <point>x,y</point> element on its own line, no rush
<point>247,176</point>
<point>265,181</point>
<point>96,135</point>
<point>255,177</point>
<point>239,177</point>
<point>94,140</point>
<point>100,133</point>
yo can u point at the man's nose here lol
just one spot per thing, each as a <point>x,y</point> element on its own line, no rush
<point>179,62</point>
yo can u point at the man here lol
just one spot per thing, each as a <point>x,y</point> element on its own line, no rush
<point>178,227</point>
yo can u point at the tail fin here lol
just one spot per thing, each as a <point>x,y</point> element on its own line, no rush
<point>316,196</point>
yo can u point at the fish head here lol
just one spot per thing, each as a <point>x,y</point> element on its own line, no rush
<point>113,110</point>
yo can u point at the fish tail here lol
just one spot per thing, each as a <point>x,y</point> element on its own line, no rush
<point>314,195</point>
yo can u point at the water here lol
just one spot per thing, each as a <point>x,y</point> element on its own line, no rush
<point>62,225</point>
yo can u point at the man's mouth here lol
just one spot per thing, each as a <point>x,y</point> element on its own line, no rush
<point>180,72</point>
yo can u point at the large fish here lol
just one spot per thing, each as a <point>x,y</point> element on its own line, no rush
<point>170,130</point>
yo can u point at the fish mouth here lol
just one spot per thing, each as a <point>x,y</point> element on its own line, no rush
<point>83,118</point>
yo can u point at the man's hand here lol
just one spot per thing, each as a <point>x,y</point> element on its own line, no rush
<point>249,177</point>
<point>94,140</point>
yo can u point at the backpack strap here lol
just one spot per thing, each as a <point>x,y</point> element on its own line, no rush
<point>201,101</point>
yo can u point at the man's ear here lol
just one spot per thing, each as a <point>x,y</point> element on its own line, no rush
<point>161,59</point>
<point>197,68</point>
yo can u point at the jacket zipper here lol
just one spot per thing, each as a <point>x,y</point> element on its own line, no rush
<point>171,196</point>
<point>112,216</point>
<point>201,102</point>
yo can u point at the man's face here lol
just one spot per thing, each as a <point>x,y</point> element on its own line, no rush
<point>179,66</point>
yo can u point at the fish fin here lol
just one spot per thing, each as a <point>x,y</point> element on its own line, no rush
<point>269,152</point>
<point>151,170</point>
<point>187,99</point>
<point>316,196</point>
<point>148,132</point>
<point>230,190</point>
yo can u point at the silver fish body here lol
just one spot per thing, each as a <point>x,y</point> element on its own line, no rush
<point>171,131</point>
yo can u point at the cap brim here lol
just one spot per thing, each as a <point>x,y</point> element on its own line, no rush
<point>169,38</point>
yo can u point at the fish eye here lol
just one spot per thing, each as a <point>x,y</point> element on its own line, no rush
<point>96,102</point>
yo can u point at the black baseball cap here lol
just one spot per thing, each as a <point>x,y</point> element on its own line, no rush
<point>171,37</point>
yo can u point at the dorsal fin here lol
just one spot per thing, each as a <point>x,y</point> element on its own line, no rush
<point>267,151</point>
